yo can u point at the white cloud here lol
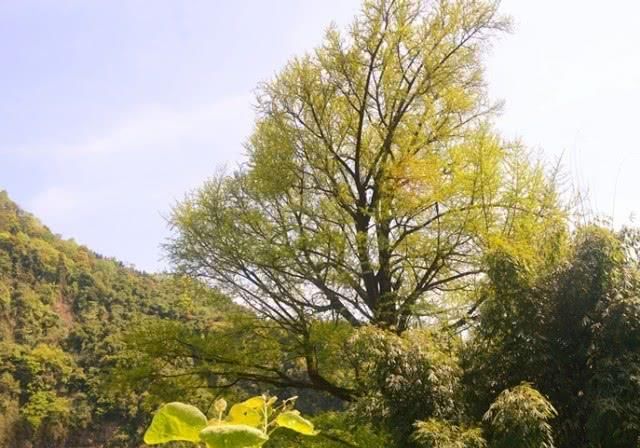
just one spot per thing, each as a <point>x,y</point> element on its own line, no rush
<point>153,127</point>
<point>110,191</point>
<point>54,202</point>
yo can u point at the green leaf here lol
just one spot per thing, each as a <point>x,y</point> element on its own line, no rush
<point>249,412</point>
<point>293,420</point>
<point>254,403</point>
<point>175,421</point>
<point>233,436</point>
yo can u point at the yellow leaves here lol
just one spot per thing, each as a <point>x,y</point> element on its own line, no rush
<point>458,99</point>
<point>418,177</point>
<point>248,425</point>
<point>250,412</point>
<point>272,158</point>
<point>233,436</point>
<point>386,127</point>
<point>175,421</point>
<point>294,421</point>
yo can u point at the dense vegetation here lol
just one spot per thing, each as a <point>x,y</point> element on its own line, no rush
<point>384,254</point>
<point>62,309</point>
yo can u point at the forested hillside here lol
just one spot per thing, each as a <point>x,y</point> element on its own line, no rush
<point>62,310</point>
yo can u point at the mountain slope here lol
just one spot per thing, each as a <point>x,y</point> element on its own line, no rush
<point>62,308</point>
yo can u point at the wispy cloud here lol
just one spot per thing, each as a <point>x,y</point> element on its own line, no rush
<point>150,128</point>
<point>110,190</point>
<point>54,202</point>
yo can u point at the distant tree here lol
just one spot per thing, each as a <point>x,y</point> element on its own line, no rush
<point>375,183</point>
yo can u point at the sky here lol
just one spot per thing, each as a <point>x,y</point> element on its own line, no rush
<point>112,110</point>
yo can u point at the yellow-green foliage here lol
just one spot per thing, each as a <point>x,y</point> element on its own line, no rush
<point>435,433</point>
<point>336,430</point>
<point>392,371</point>
<point>5,295</point>
<point>248,424</point>
<point>520,418</point>
<point>375,177</point>
<point>62,308</point>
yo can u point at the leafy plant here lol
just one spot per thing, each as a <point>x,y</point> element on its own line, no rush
<point>519,418</point>
<point>434,433</point>
<point>247,425</point>
<point>403,378</point>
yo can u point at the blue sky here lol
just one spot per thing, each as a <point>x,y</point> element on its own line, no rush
<point>112,110</point>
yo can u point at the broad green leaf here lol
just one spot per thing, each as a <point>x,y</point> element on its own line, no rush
<point>233,436</point>
<point>293,420</point>
<point>175,421</point>
<point>249,412</point>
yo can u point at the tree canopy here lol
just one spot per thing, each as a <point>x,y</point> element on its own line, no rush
<point>375,184</point>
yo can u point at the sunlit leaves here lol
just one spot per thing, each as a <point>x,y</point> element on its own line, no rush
<point>250,412</point>
<point>175,421</point>
<point>520,418</point>
<point>375,178</point>
<point>248,424</point>
<point>434,433</point>
<point>233,436</point>
<point>294,421</point>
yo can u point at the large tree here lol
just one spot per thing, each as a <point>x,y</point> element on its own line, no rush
<point>375,183</point>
